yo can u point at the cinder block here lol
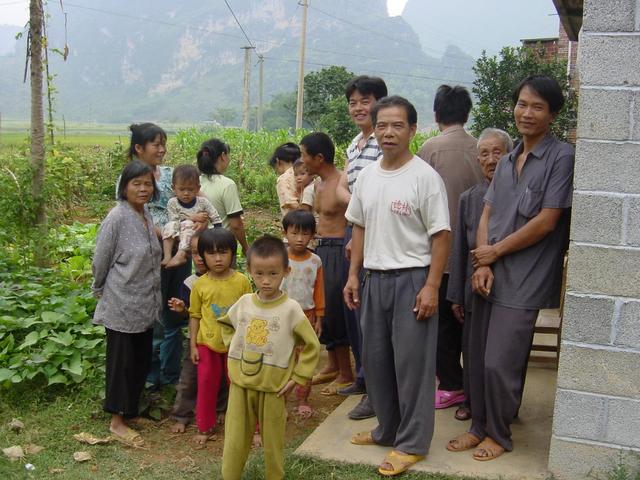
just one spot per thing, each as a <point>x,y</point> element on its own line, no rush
<point>577,461</point>
<point>609,60</point>
<point>633,222</point>
<point>609,16</point>
<point>587,319</point>
<point>604,270</point>
<point>635,134</point>
<point>623,426</point>
<point>604,114</point>
<point>596,218</point>
<point>628,328</point>
<point>611,167</point>
<point>580,416</point>
<point>605,372</point>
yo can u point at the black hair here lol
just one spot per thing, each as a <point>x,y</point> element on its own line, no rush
<point>395,101</point>
<point>548,88</point>
<point>268,246</point>
<point>215,240</point>
<point>452,104</point>
<point>143,133</point>
<point>317,143</point>
<point>366,86</point>
<point>287,152</point>
<point>185,173</point>
<point>298,163</point>
<point>209,152</point>
<point>300,219</point>
<point>134,169</point>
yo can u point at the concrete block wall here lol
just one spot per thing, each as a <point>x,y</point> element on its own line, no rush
<point>597,410</point>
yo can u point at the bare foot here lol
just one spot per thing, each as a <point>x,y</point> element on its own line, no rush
<point>180,258</point>
<point>304,411</point>
<point>202,438</point>
<point>178,427</point>
<point>165,261</point>
<point>120,429</point>
<point>221,419</point>
<point>257,440</point>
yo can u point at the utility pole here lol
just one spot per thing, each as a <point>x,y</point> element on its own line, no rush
<point>260,91</point>
<point>245,96</point>
<point>303,41</point>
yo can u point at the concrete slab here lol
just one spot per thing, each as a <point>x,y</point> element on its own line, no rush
<point>531,437</point>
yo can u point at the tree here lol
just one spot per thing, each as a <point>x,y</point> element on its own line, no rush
<point>36,19</point>
<point>225,115</point>
<point>496,79</point>
<point>325,106</point>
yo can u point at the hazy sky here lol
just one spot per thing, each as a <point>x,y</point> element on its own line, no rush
<point>478,25</point>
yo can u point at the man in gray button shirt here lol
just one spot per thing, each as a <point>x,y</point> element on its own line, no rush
<point>521,241</point>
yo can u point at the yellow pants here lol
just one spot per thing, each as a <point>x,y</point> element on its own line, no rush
<point>245,409</point>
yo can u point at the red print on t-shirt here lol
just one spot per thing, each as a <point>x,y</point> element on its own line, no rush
<point>401,208</point>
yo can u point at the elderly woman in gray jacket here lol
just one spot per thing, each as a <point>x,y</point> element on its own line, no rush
<point>126,270</point>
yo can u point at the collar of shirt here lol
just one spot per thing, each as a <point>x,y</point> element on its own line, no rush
<point>353,150</point>
<point>538,151</point>
<point>451,129</point>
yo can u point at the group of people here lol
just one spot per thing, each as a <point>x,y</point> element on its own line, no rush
<point>404,262</point>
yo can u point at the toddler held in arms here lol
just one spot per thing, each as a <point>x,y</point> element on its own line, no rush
<point>186,212</point>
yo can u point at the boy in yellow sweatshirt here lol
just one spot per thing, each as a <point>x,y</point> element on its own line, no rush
<point>261,331</point>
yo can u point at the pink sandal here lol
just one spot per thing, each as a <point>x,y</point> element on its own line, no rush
<point>446,399</point>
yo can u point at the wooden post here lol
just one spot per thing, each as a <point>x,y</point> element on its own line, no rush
<point>303,41</point>
<point>245,96</point>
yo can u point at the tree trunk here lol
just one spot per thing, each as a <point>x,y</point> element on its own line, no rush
<point>36,14</point>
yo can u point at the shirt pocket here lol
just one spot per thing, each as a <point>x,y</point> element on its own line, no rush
<point>530,202</point>
<point>251,363</point>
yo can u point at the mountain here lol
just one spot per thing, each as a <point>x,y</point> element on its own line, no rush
<point>180,61</point>
<point>8,39</point>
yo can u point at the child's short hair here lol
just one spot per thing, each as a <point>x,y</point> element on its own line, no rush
<point>185,173</point>
<point>317,143</point>
<point>134,169</point>
<point>268,246</point>
<point>299,219</point>
<point>217,240</point>
<point>298,163</point>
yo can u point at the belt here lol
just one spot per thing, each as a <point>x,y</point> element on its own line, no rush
<point>330,242</point>
<point>393,272</point>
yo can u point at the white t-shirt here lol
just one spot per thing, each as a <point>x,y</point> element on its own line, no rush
<point>400,210</point>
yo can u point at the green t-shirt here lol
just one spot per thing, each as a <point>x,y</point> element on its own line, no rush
<point>222,192</point>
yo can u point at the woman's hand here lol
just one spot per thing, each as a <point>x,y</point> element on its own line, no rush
<point>195,356</point>
<point>201,217</point>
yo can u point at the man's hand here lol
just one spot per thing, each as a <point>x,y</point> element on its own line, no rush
<point>351,292</point>
<point>458,312</point>
<point>286,389</point>
<point>484,255</point>
<point>195,356</point>
<point>482,281</point>
<point>347,250</point>
<point>426,302</point>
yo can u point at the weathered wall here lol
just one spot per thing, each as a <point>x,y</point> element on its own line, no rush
<point>597,411</point>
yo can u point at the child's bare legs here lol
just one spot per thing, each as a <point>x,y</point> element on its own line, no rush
<point>186,233</point>
<point>167,248</point>
<point>304,410</point>
<point>180,258</point>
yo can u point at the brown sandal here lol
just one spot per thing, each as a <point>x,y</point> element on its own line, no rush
<point>465,441</point>
<point>487,450</point>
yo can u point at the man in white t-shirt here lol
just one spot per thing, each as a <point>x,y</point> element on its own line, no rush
<point>401,236</point>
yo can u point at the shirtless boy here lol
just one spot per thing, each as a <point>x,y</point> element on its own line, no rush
<point>318,153</point>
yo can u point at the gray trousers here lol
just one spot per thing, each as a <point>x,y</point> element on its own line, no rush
<point>399,356</point>
<point>500,339</point>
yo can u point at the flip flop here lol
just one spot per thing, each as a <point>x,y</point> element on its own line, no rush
<point>333,387</point>
<point>131,438</point>
<point>487,450</point>
<point>465,441</point>
<point>446,399</point>
<point>324,377</point>
<point>363,438</point>
<point>400,462</point>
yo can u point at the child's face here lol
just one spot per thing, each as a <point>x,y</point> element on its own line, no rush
<point>218,262</point>
<point>298,239</point>
<point>267,274</point>
<point>186,191</point>
<point>139,191</point>
<point>197,259</point>
<point>302,176</point>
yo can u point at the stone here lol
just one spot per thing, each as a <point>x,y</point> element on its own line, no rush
<point>604,114</point>
<point>628,327</point>
<point>609,16</point>
<point>607,166</point>
<point>633,222</point>
<point>609,60</point>
<point>623,426</point>
<point>600,371</point>
<point>596,218</point>
<point>580,416</point>
<point>587,319</point>
<point>604,270</point>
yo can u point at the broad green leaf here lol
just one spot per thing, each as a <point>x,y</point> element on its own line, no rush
<point>5,374</point>
<point>58,378</point>
<point>63,338</point>
<point>29,340</point>
<point>52,317</point>
<point>75,364</point>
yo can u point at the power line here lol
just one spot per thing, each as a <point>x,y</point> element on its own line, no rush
<point>239,25</point>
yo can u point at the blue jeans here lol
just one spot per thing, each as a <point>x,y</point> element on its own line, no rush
<point>167,334</point>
